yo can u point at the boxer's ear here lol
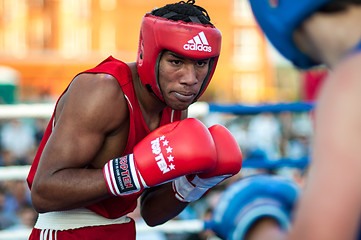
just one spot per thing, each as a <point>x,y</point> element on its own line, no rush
<point>141,50</point>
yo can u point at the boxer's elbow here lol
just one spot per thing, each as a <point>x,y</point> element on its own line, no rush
<point>40,198</point>
<point>37,205</point>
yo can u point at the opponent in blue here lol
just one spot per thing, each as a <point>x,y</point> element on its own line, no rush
<point>251,200</point>
<point>309,33</point>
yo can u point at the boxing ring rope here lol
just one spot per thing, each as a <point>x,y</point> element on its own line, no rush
<point>196,110</point>
<point>9,173</point>
<point>33,110</point>
<point>44,110</point>
<point>239,109</point>
<point>202,108</point>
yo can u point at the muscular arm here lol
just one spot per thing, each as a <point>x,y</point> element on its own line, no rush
<point>90,112</point>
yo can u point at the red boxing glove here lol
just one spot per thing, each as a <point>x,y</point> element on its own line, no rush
<point>229,154</point>
<point>171,151</point>
<point>192,187</point>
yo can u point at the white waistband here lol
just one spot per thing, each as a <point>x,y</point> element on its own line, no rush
<point>77,218</point>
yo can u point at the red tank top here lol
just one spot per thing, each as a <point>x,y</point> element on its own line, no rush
<point>115,207</point>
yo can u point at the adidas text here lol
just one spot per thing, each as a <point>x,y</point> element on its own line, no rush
<point>197,47</point>
<point>198,43</point>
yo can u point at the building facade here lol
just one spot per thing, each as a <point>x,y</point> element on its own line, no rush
<point>49,41</point>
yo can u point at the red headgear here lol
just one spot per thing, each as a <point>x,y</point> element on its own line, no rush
<point>191,40</point>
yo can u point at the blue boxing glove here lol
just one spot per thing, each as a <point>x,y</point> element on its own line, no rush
<point>250,199</point>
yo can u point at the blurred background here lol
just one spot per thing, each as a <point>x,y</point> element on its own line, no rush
<point>45,43</point>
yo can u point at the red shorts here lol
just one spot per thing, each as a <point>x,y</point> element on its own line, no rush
<point>122,231</point>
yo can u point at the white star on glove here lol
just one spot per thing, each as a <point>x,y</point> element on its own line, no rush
<point>171,166</point>
<point>170,158</point>
<point>169,149</point>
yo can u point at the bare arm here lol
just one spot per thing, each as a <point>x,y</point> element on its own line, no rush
<point>92,110</point>
<point>159,205</point>
<point>330,206</point>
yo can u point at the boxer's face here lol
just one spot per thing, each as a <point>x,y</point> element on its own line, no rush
<point>306,36</point>
<point>180,79</point>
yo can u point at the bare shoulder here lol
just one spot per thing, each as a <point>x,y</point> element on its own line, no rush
<point>97,97</point>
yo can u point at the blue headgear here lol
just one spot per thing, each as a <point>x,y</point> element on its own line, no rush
<point>251,198</point>
<point>279,19</point>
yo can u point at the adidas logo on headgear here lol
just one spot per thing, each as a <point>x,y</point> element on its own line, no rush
<point>198,43</point>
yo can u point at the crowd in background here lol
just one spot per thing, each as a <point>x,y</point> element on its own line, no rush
<point>19,139</point>
<point>266,136</point>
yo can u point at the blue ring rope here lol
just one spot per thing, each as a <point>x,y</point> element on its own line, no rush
<point>259,108</point>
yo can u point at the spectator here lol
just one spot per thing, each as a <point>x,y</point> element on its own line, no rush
<point>17,196</point>
<point>18,138</point>
<point>6,219</point>
<point>264,133</point>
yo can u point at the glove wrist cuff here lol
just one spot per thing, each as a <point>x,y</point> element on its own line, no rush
<point>187,191</point>
<point>122,177</point>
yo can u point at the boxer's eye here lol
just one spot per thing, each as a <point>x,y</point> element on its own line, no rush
<point>202,63</point>
<point>175,62</point>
